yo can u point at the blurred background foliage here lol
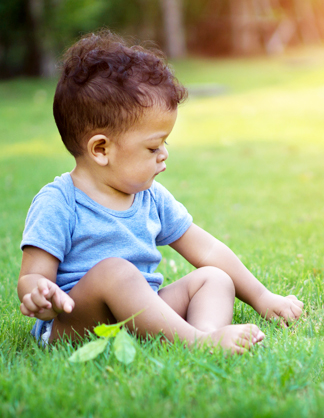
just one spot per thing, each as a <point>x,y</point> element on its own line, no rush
<point>33,33</point>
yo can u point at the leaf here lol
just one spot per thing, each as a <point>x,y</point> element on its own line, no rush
<point>124,347</point>
<point>89,351</point>
<point>107,331</point>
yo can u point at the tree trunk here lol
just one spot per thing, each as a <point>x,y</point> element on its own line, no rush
<point>173,28</point>
<point>33,59</point>
<point>306,17</point>
<point>245,36</point>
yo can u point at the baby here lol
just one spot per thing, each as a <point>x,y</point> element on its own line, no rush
<point>90,240</point>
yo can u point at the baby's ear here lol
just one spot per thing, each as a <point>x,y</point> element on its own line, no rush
<point>98,146</point>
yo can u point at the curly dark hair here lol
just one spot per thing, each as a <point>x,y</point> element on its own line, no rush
<point>106,84</point>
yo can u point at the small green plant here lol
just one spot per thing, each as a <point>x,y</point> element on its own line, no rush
<point>123,345</point>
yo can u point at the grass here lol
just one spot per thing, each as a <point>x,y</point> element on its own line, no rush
<point>249,167</point>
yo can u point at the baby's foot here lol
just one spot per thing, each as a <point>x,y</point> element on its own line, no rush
<point>236,338</point>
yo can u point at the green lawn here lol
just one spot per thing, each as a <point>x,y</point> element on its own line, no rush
<point>249,167</point>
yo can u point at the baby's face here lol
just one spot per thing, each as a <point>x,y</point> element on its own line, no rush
<point>139,154</point>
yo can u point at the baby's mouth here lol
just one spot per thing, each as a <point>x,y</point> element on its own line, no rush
<point>161,171</point>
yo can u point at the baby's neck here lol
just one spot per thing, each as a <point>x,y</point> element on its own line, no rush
<point>91,183</point>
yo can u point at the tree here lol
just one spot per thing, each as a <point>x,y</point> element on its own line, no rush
<point>173,28</point>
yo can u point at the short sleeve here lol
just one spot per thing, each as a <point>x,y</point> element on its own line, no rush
<point>49,223</point>
<point>174,217</point>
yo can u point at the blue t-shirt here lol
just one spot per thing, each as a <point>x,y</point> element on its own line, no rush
<point>80,232</point>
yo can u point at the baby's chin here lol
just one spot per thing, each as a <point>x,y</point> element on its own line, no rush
<point>137,189</point>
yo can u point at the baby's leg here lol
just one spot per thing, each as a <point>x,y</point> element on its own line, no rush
<point>114,290</point>
<point>205,299</point>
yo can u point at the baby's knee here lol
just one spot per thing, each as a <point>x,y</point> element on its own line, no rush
<point>219,277</point>
<point>116,268</point>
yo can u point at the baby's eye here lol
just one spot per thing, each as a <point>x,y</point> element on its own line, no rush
<point>153,150</point>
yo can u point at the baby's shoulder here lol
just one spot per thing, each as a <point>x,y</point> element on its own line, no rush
<point>59,193</point>
<point>158,191</point>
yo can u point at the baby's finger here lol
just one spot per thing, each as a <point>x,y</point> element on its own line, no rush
<point>297,311</point>
<point>39,299</point>
<point>279,319</point>
<point>299,304</point>
<point>26,311</point>
<point>68,305</point>
<point>62,301</point>
<point>29,304</point>
<point>260,336</point>
<point>295,300</point>
<point>46,288</point>
<point>292,314</point>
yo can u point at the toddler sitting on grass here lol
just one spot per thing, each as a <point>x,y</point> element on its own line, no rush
<point>90,240</point>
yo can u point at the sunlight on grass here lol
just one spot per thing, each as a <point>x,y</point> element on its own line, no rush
<point>34,147</point>
<point>268,114</point>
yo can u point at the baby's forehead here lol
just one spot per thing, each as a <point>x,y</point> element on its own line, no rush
<point>157,111</point>
<point>151,118</point>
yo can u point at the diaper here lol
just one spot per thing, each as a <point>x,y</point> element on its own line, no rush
<point>42,331</point>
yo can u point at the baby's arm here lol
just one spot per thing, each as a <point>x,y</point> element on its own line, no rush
<point>39,295</point>
<point>202,249</point>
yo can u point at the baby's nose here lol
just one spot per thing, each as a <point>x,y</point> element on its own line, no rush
<point>164,154</point>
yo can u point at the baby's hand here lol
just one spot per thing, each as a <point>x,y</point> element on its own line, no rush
<point>46,301</point>
<point>271,306</point>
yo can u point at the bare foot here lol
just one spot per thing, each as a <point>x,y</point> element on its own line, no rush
<point>235,338</point>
